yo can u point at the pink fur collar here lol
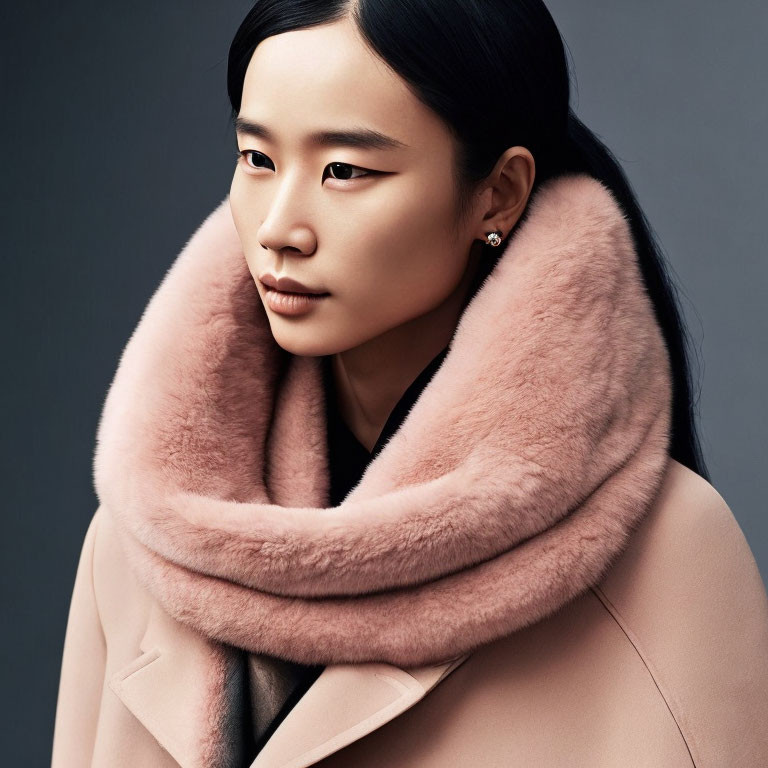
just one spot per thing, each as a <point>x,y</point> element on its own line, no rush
<point>513,483</point>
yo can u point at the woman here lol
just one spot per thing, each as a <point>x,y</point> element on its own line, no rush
<point>399,467</point>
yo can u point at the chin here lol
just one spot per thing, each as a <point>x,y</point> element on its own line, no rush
<point>304,343</point>
<point>314,338</point>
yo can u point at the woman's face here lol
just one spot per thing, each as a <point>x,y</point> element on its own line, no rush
<point>370,225</point>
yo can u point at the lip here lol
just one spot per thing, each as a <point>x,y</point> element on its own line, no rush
<point>292,304</point>
<point>288,285</point>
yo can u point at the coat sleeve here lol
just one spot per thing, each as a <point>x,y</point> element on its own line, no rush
<point>82,668</point>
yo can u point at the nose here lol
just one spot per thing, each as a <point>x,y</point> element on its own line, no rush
<point>286,225</point>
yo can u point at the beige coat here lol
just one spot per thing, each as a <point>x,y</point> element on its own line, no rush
<point>664,664</point>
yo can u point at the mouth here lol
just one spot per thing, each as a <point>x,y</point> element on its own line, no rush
<point>308,294</point>
<point>289,285</point>
<point>292,302</point>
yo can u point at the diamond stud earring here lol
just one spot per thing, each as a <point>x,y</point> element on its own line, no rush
<point>493,238</point>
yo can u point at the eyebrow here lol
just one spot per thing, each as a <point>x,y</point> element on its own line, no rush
<point>359,138</point>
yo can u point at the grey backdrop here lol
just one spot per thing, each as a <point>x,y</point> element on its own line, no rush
<point>116,145</point>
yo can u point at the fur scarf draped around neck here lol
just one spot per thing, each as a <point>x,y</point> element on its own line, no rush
<point>513,483</point>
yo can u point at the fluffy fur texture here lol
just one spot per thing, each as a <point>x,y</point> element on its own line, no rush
<point>513,483</point>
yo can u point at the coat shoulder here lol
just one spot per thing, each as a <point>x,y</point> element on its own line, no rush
<point>689,597</point>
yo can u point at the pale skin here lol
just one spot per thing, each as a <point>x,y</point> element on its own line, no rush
<point>380,243</point>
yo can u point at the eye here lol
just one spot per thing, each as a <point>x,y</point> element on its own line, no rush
<point>344,170</point>
<point>243,155</point>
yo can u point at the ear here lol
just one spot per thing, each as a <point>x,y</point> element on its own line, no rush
<point>508,188</point>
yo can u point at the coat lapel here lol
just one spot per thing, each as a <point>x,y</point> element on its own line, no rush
<point>346,702</point>
<point>181,677</point>
<point>172,684</point>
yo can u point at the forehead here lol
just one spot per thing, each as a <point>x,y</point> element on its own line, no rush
<point>327,76</point>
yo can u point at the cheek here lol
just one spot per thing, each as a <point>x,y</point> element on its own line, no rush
<point>246,222</point>
<point>403,265</point>
<point>236,197</point>
<point>238,206</point>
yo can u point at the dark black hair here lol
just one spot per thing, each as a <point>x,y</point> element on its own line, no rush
<point>496,72</point>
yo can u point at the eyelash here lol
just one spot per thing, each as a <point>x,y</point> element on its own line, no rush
<point>241,156</point>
